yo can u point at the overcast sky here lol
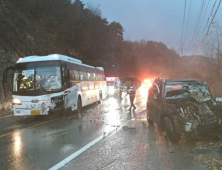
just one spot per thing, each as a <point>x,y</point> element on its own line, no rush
<point>158,20</point>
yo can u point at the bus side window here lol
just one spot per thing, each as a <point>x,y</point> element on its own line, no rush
<point>80,75</point>
<point>76,73</point>
<point>66,83</point>
<point>71,75</point>
<point>88,76</point>
<point>85,76</point>
<point>99,77</point>
<point>94,76</point>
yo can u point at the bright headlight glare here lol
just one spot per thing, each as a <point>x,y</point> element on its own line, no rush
<point>111,91</point>
<point>16,101</point>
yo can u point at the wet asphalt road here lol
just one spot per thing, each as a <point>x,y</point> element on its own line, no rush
<point>42,142</point>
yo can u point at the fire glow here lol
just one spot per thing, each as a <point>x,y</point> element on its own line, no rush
<point>147,83</point>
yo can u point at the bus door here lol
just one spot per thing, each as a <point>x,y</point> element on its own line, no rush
<point>83,85</point>
<point>71,88</point>
<point>90,83</point>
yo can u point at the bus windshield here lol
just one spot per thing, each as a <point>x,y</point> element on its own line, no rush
<point>37,77</point>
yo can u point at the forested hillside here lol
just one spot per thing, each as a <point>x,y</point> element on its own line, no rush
<point>42,27</point>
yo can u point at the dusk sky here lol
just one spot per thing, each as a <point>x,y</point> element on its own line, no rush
<point>157,20</point>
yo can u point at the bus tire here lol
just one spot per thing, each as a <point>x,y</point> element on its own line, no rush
<point>100,96</point>
<point>79,104</point>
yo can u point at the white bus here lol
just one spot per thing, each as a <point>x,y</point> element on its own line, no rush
<point>42,84</point>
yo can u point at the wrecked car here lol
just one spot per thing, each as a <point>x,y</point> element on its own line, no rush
<point>182,106</point>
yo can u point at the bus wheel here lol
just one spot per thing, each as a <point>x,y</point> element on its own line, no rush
<point>79,105</point>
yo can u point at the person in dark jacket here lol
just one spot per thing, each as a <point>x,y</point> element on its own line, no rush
<point>132,94</point>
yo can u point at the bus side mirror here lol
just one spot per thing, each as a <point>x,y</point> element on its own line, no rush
<point>8,74</point>
<point>66,73</point>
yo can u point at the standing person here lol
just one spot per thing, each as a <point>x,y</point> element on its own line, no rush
<point>132,94</point>
<point>120,90</point>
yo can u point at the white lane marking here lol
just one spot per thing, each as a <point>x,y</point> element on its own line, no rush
<point>89,145</point>
<point>77,153</point>
<point>5,116</point>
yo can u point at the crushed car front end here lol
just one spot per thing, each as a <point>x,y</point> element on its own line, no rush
<point>191,107</point>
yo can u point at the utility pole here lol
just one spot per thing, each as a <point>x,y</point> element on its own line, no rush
<point>180,63</point>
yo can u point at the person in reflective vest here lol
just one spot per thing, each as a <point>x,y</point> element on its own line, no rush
<point>132,94</point>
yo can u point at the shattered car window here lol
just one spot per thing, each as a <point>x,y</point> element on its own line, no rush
<point>173,87</point>
<point>198,91</point>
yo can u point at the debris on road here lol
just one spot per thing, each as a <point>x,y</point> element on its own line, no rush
<point>199,141</point>
<point>108,164</point>
<point>211,143</point>
<point>210,162</point>
<point>89,110</point>
<point>128,127</point>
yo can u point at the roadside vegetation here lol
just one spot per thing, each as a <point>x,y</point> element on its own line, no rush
<point>42,27</point>
<point>206,149</point>
<point>5,108</point>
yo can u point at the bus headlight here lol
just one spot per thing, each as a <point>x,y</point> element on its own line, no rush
<point>16,102</point>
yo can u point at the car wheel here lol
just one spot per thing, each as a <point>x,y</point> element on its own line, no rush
<point>150,121</point>
<point>147,118</point>
<point>79,105</point>
<point>170,130</point>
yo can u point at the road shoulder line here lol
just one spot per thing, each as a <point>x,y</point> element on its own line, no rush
<point>29,127</point>
<point>86,147</point>
<point>77,153</point>
<point>5,116</point>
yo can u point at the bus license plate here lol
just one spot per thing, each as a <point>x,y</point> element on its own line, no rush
<point>35,112</point>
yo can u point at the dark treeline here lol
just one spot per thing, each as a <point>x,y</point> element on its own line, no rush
<point>42,27</point>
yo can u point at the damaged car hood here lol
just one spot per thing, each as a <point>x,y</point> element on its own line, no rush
<point>193,105</point>
<point>199,94</point>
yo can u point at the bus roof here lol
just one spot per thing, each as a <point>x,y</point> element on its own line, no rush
<point>53,57</point>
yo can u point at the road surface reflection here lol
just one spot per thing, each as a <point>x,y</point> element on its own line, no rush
<point>17,144</point>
